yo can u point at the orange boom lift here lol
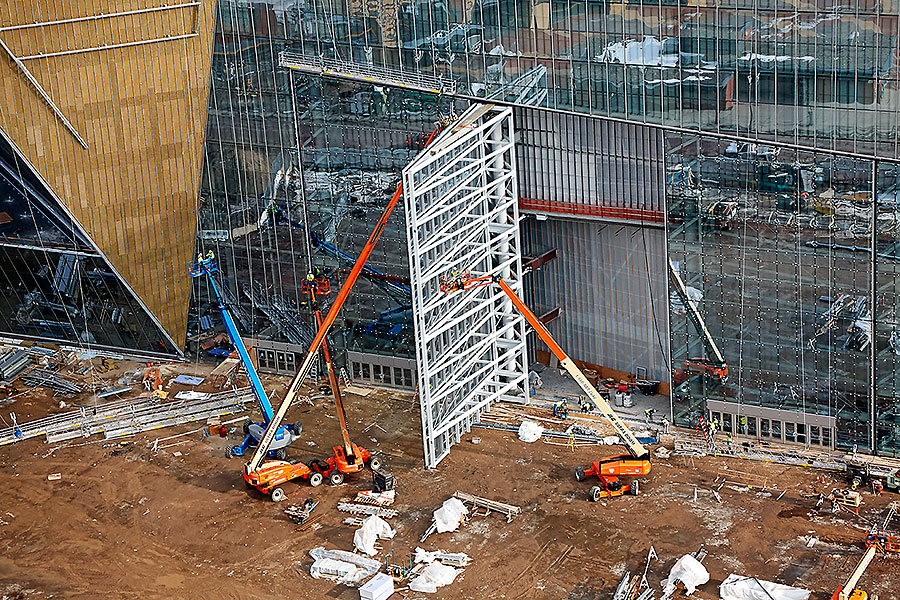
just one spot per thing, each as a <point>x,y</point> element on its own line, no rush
<point>255,471</point>
<point>608,469</point>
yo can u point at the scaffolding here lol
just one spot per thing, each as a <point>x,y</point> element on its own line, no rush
<point>374,74</point>
<point>462,212</point>
<point>126,417</point>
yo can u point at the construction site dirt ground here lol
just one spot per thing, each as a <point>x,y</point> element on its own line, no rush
<point>124,521</point>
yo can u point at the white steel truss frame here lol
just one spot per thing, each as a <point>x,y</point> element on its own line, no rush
<point>462,213</point>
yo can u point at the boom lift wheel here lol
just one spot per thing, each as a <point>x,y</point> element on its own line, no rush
<point>635,488</point>
<point>278,495</point>
<point>375,464</point>
<point>316,479</point>
<point>246,427</point>
<point>336,478</point>
<point>579,473</point>
<point>594,493</point>
<point>281,454</point>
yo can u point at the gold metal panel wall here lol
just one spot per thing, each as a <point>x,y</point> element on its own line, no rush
<point>140,109</point>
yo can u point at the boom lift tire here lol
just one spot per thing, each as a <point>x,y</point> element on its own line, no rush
<point>336,478</point>
<point>374,464</point>
<point>278,495</point>
<point>579,474</point>
<point>316,479</point>
<point>594,493</point>
<point>635,488</point>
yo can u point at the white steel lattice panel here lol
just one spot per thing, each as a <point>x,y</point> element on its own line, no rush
<point>462,213</point>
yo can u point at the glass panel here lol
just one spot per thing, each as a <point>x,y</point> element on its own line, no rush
<point>762,276</point>
<point>789,432</point>
<point>751,426</point>
<point>407,378</point>
<point>365,371</point>
<point>776,429</point>
<point>815,437</point>
<point>801,433</point>
<point>726,423</point>
<point>357,370</point>
<point>764,427</point>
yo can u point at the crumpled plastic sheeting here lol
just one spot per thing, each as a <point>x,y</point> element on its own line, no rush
<point>434,576</point>
<point>449,515</point>
<point>529,431</point>
<point>341,566</point>
<point>687,570</point>
<point>373,529</point>
<point>424,556</point>
<point>737,587</point>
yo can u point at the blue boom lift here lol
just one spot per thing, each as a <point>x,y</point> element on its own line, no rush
<point>254,431</point>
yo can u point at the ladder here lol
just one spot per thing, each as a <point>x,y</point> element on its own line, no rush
<point>702,430</point>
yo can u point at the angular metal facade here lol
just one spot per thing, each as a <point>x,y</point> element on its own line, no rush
<point>106,104</point>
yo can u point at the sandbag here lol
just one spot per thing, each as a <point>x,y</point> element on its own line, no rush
<point>529,431</point>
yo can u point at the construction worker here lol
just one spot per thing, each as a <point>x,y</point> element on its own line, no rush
<point>648,415</point>
<point>665,424</point>
<point>742,428</point>
<point>714,426</point>
<point>585,404</point>
<point>561,410</point>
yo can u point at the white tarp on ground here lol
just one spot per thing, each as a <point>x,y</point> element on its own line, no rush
<point>687,570</point>
<point>434,576</point>
<point>738,587</point>
<point>449,515</point>
<point>529,431</point>
<point>339,565</point>
<point>373,529</point>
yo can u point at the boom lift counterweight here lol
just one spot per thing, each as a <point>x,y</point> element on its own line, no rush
<point>608,469</point>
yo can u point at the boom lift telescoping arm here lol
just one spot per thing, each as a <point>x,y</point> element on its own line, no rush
<point>848,590</point>
<point>294,388</point>
<point>462,281</point>
<point>714,364</point>
<point>284,436</point>
<point>333,381</point>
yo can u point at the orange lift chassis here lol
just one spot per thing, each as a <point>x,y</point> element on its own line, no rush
<point>251,468</point>
<point>348,458</point>
<point>608,469</point>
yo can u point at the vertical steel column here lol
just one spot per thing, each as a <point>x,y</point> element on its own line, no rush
<point>873,225</point>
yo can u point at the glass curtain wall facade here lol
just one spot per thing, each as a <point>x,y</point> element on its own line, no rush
<point>297,172</point>
<point>781,149</point>
<point>790,258</point>
<point>816,74</point>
